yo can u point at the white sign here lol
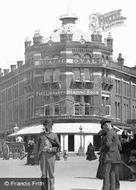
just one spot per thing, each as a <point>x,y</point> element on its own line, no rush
<point>106,21</point>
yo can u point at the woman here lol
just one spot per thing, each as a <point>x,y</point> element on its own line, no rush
<point>90,152</point>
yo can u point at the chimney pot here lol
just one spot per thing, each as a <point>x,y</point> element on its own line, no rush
<point>6,71</point>
<point>19,63</point>
<point>13,67</point>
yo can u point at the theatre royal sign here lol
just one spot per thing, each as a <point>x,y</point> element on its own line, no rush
<point>103,22</point>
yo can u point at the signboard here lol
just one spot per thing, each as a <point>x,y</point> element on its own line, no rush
<point>69,92</point>
<point>99,22</point>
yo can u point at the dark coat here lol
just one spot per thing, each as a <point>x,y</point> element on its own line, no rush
<point>111,148</point>
<point>90,153</point>
<point>52,142</point>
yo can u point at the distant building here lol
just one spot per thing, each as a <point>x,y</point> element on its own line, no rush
<point>71,78</point>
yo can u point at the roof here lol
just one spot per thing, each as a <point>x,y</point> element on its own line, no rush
<point>68,28</point>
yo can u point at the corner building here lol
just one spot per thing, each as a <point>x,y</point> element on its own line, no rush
<point>71,78</point>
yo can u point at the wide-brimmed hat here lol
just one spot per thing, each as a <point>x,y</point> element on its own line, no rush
<point>104,120</point>
<point>46,122</point>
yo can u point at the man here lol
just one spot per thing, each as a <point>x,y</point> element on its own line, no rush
<point>48,146</point>
<point>30,148</point>
<point>110,151</point>
<point>5,151</point>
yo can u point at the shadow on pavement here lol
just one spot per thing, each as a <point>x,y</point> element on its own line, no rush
<point>87,177</point>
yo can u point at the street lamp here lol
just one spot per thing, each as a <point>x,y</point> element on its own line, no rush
<point>81,148</point>
<point>80,129</point>
<point>16,128</point>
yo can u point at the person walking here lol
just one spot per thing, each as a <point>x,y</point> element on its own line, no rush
<point>5,151</point>
<point>30,148</point>
<point>111,157</point>
<point>65,155</point>
<point>100,170</point>
<point>48,146</point>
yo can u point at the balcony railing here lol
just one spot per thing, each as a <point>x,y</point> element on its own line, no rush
<point>81,85</point>
<point>51,85</point>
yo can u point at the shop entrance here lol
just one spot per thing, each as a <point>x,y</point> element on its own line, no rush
<point>71,143</point>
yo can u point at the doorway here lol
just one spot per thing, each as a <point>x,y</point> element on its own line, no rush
<point>71,143</point>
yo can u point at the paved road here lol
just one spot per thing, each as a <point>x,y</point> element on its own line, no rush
<point>74,174</point>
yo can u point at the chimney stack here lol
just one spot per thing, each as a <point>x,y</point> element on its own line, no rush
<point>19,63</point>
<point>120,59</point>
<point>6,71</point>
<point>13,67</point>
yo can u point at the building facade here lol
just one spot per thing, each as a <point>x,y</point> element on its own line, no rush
<point>70,77</point>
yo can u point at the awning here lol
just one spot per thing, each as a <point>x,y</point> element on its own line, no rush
<point>90,128</point>
<point>93,128</point>
<point>118,130</point>
<point>29,130</point>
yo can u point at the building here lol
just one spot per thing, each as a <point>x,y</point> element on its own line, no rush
<point>70,77</point>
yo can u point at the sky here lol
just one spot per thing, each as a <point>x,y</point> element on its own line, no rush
<point>20,19</point>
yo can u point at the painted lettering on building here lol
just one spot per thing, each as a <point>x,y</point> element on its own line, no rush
<point>103,22</point>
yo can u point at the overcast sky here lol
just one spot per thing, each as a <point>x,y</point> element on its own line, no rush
<point>21,18</point>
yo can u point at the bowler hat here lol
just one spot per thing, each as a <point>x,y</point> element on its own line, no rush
<point>103,121</point>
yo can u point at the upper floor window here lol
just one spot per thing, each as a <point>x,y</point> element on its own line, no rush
<point>47,110</point>
<point>48,76</point>
<point>77,75</point>
<point>56,75</point>
<point>86,75</point>
<point>118,86</point>
<point>126,89</point>
<point>134,91</point>
<point>77,109</point>
<point>77,98</point>
<point>57,109</point>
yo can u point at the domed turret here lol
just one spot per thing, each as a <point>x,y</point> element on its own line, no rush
<point>37,39</point>
<point>68,31</point>
<point>68,18</point>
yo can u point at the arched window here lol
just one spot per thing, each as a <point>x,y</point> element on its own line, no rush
<point>87,74</point>
<point>87,56</point>
<point>48,76</point>
<point>76,74</point>
<point>77,56</point>
<point>56,75</point>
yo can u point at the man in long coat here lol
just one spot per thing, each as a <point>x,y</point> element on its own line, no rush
<point>111,156</point>
<point>48,146</point>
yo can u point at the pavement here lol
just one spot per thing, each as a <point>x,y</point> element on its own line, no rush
<point>74,174</point>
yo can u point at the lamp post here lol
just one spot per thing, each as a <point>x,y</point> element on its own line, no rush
<point>81,148</point>
<point>80,129</point>
<point>16,128</point>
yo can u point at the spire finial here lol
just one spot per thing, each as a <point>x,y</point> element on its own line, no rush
<point>68,7</point>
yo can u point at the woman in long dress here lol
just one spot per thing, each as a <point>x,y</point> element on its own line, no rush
<point>90,154</point>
